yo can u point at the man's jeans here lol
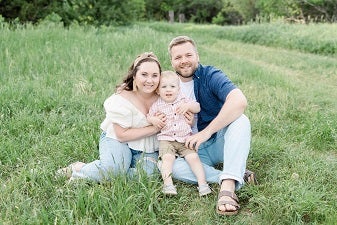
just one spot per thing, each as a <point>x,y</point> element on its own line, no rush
<point>229,146</point>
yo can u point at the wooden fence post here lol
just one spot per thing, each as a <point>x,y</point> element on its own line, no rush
<point>171,16</point>
<point>181,18</point>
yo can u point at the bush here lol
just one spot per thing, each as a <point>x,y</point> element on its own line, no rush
<point>93,12</point>
<point>103,12</point>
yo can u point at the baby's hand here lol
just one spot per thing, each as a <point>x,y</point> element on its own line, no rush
<point>189,117</point>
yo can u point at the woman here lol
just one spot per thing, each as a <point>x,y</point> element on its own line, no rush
<point>127,140</point>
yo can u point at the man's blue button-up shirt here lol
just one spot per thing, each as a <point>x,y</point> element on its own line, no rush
<point>211,87</point>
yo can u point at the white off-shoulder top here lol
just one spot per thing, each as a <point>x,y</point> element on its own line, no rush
<point>122,112</point>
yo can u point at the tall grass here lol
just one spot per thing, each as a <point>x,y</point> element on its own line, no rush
<point>311,38</point>
<point>54,81</point>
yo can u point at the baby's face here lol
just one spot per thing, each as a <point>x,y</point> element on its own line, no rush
<point>169,88</point>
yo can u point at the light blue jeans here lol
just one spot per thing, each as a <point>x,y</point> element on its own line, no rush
<point>229,146</point>
<point>117,158</point>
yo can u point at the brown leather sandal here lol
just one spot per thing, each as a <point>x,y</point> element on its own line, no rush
<point>234,202</point>
<point>250,177</point>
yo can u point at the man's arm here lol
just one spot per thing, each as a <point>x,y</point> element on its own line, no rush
<point>233,108</point>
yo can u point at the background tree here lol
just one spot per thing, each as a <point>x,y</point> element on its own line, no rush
<point>25,11</point>
<point>102,12</point>
<point>95,12</point>
<point>200,11</point>
<point>117,12</point>
<point>229,14</point>
<point>158,10</point>
<point>319,10</point>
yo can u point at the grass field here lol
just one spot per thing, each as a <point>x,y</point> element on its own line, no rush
<point>53,83</point>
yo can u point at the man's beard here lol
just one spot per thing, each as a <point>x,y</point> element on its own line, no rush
<point>194,68</point>
<point>184,76</point>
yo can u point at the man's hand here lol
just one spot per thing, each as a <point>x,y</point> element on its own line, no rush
<point>193,142</point>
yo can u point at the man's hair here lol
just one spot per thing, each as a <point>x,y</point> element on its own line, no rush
<point>181,40</point>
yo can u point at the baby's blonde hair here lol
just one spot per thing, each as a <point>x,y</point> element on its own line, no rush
<point>168,74</point>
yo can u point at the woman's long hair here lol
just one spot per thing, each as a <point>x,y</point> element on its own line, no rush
<point>128,80</point>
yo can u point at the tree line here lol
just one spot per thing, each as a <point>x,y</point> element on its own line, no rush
<point>120,12</point>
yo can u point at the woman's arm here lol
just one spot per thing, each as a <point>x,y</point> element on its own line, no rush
<point>131,134</point>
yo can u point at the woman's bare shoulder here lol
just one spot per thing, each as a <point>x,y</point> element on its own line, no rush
<point>126,94</point>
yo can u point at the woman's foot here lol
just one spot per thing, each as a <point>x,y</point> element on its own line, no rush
<point>68,171</point>
<point>169,189</point>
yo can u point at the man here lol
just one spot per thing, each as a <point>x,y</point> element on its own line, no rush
<point>224,131</point>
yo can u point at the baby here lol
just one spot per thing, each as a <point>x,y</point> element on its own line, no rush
<point>174,131</point>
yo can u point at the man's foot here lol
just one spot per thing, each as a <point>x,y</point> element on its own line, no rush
<point>228,203</point>
<point>169,189</point>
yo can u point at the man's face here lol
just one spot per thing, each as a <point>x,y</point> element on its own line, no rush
<point>184,60</point>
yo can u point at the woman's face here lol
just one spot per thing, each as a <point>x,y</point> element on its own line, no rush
<point>147,77</point>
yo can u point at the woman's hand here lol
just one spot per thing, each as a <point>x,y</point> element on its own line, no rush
<point>159,120</point>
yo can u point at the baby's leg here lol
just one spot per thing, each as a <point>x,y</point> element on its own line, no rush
<point>166,168</point>
<point>194,162</point>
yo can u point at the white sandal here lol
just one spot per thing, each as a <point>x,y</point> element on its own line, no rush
<point>204,189</point>
<point>69,170</point>
<point>169,189</point>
